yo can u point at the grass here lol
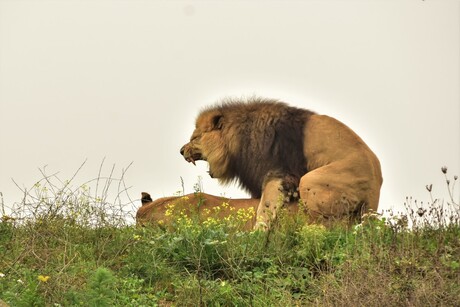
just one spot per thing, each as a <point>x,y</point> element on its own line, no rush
<point>59,248</point>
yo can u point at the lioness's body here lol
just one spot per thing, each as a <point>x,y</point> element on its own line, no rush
<point>201,204</point>
<point>271,148</point>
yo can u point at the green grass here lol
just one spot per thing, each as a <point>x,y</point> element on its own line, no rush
<point>54,257</point>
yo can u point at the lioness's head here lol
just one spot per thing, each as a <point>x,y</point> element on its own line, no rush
<point>208,143</point>
<point>146,198</point>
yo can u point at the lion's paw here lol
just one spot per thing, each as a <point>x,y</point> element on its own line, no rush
<point>290,188</point>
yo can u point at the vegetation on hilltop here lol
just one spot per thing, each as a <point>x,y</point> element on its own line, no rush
<point>64,247</point>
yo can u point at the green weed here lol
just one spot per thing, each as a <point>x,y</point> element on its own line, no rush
<point>65,246</point>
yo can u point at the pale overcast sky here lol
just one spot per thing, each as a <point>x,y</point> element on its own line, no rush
<point>125,80</point>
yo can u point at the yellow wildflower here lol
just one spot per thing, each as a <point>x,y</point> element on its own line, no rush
<point>170,209</point>
<point>210,222</point>
<point>43,278</point>
<point>245,215</point>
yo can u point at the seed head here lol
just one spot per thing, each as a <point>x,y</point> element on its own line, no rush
<point>429,187</point>
<point>421,211</point>
<point>444,169</point>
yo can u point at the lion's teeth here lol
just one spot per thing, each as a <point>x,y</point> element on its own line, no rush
<point>190,160</point>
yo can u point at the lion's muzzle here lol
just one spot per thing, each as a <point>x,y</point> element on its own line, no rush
<point>190,154</point>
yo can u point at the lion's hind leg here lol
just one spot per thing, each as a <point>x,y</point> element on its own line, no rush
<point>327,196</point>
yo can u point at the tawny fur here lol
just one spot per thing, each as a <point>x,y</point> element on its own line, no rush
<point>263,144</point>
<point>153,212</point>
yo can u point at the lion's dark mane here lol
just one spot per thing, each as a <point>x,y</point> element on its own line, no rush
<point>270,135</point>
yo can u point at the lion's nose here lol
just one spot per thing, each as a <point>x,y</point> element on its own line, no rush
<point>182,150</point>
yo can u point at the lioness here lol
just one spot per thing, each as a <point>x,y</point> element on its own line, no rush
<point>271,148</point>
<point>154,212</point>
<point>204,205</point>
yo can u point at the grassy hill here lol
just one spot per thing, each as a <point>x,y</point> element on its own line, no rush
<point>75,250</point>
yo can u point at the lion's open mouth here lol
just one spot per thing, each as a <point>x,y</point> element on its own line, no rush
<point>193,158</point>
<point>189,155</point>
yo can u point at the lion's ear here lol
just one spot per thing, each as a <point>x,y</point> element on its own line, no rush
<point>217,122</point>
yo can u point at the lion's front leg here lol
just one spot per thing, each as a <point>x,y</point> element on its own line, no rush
<point>272,198</point>
<point>277,190</point>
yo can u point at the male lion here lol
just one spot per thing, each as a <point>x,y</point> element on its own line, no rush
<point>272,149</point>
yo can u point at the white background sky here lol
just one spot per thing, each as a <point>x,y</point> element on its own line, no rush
<point>125,80</point>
